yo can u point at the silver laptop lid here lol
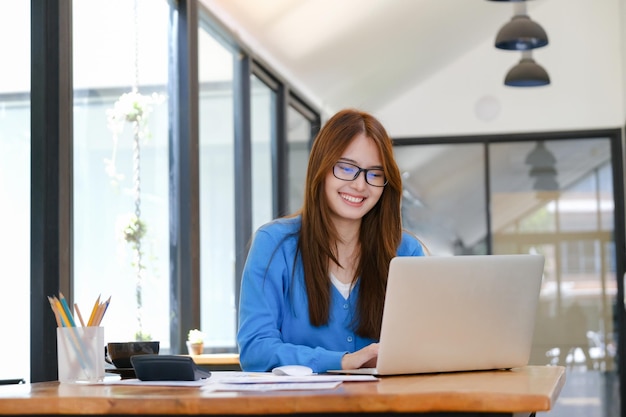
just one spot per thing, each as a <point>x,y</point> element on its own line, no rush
<point>459,313</point>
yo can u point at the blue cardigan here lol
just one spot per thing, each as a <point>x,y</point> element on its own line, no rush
<point>274,327</point>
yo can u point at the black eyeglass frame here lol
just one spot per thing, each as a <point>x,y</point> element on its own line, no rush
<point>358,172</point>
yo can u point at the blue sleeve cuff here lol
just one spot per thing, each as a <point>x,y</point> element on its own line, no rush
<point>329,360</point>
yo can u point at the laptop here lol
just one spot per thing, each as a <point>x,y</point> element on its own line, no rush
<point>457,313</point>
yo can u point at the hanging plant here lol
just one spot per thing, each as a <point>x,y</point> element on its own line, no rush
<point>134,109</point>
<point>130,108</point>
<point>134,231</point>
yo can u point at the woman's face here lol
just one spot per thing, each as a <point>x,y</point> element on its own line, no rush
<point>351,200</point>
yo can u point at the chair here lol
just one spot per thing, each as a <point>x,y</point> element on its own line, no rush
<point>598,350</point>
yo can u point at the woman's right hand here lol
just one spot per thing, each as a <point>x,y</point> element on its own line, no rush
<point>364,358</point>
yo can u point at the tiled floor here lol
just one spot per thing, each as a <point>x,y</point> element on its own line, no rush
<point>588,394</point>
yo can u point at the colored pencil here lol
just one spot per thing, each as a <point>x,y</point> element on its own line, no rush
<point>104,306</point>
<point>56,313</point>
<point>67,310</point>
<point>93,311</point>
<point>80,316</point>
<point>75,339</point>
<point>65,321</point>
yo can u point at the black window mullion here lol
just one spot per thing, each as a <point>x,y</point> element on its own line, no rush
<point>184,173</point>
<point>619,230</point>
<point>243,164</point>
<point>280,155</point>
<point>487,183</point>
<point>51,248</point>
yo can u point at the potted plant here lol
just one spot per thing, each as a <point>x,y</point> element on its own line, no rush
<point>195,342</point>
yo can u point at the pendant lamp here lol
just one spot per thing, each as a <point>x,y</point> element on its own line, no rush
<point>521,34</point>
<point>527,73</point>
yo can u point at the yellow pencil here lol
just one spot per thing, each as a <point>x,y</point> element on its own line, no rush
<point>96,317</point>
<point>93,311</point>
<point>64,319</point>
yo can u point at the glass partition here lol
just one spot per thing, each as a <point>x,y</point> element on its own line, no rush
<point>562,206</point>
<point>444,196</point>
<point>553,197</point>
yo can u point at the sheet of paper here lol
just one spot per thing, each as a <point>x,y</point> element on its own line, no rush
<point>236,377</point>
<point>134,381</point>
<point>271,386</point>
<point>253,381</point>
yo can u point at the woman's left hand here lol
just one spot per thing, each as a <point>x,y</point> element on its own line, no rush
<point>364,358</point>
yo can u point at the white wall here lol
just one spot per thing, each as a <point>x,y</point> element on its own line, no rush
<point>584,61</point>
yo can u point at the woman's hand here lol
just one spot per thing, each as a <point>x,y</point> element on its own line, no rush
<point>364,358</point>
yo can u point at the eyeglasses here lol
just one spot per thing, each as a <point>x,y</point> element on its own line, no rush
<point>350,172</point>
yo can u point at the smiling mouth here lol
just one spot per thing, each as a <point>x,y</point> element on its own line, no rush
<point>352,199</point>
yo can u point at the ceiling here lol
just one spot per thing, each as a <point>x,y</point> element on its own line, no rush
<point>365,53</point>
<point>331,49</point>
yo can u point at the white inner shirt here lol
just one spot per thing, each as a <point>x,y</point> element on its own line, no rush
<point>344,289</point>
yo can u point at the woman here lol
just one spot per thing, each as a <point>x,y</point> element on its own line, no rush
<point>313,286</point>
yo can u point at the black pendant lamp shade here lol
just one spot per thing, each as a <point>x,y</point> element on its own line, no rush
<point>521,34</point>
<point>527,73</point>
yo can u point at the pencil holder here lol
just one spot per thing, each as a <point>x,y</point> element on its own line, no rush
<point>80,354</point>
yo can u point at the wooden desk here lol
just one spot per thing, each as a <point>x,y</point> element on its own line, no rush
<point>519,392</point>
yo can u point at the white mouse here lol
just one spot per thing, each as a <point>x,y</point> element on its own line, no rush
<point>292,370</point>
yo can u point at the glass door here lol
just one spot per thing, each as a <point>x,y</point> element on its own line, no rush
<point>557,197</point>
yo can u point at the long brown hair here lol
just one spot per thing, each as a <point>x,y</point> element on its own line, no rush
<point>381,227</point>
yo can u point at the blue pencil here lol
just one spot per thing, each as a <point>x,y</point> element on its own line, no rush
<point>67,310</point>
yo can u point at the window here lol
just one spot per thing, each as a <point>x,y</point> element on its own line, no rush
<point>217,192</point>
<point>121,239</point>
<point>263,101</point>
<point>15,186</point>
<point>120,183</point>
<point>298,139</point>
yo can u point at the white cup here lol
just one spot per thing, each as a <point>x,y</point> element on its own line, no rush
<point>80,354</point>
